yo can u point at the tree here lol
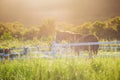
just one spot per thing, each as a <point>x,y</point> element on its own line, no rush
<point>115,24</point>
<point>98,28</point>
<point>84,29</point>
<point>3,29</point>
<point>47,28</point>
<point>6,36</point>
<point>110,34</point>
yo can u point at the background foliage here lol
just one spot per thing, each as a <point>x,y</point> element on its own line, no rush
<point>107,30</point>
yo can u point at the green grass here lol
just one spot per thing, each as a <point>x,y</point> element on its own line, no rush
<point>61,69</point>
<point>58,69</point>
<point>19,43</point>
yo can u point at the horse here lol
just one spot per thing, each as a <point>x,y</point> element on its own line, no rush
<point>78,38</point>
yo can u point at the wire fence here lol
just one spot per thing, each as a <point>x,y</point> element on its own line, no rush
<point>60,50</point>
<point>106,47</point>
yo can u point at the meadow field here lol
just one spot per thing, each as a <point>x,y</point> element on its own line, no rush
<point>15,35</point>
<point>61,69</point>
<point>65,68</point>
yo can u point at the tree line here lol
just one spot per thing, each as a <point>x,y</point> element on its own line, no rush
<point>19,31</point>
<point>107,29</point>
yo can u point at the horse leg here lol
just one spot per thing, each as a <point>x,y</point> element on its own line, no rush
<point>76,50</point>
<point>90,50</point>
<point>90,54</point>
<point>95,50</point>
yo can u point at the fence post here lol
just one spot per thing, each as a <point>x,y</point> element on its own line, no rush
<point>53,49</point>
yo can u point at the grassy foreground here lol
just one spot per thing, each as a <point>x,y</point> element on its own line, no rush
<point>61,69</point>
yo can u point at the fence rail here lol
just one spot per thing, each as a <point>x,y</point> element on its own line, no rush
<point>53,48</point>
<point>86,43</point>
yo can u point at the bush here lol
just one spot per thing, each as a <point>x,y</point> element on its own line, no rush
<point>6,36</point>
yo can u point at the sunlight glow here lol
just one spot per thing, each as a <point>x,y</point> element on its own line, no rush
<point>75,11</point>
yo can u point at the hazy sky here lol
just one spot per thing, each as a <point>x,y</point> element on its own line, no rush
<point>31,12</point>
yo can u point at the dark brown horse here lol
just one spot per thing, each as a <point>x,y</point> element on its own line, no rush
<point>77,38</point>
